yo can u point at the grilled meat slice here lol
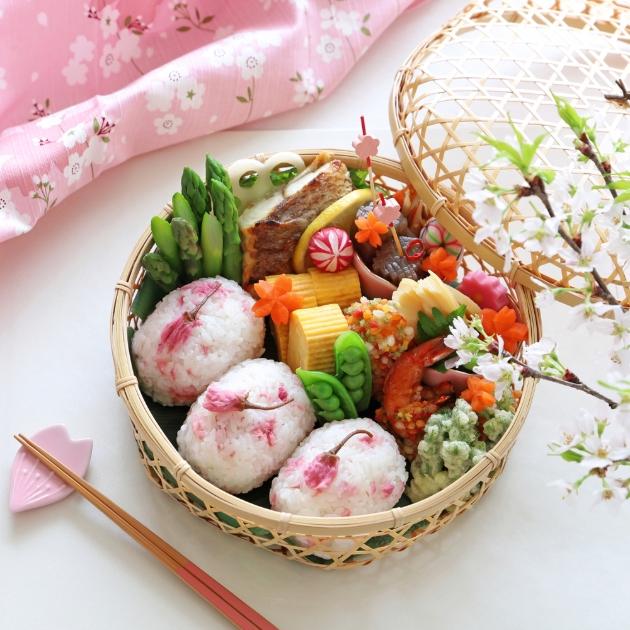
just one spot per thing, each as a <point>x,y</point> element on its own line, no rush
<point>271,229</point>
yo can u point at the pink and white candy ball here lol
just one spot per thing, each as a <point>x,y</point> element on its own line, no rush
<point>434,235</point>
<point>331,250</point>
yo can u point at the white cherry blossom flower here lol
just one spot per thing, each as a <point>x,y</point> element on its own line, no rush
<point>110,60</point>
<point>167,125</point>
<point>95,152</point>
<point>22,224</point>
<point>569,493</point>
<point>588,258</point>
<point>602,452</point>
<point>348,22</point>
<point>619,245</point>
<point>497,369</point>
<point>251,63</point>
<point>160,96</point>
<point>307,88</point>
<point>82,49</point>
<point>128,46</point>
<point>108,21</point>
<point>7,207</point>
<point>3,83</point>
<point>540,235</point>
<point>328,17</point>
<point>219,56</point>
<point>591,315</point>
<point>190,93</point>
<point>75,72</point>
<point>52,120</point>
<point>329,48</point>
<point>74,170</point>
<point>535,353</point>
<point>612,497</point>
<point>77,134</point>
<point>575,432</point>
<point>611,216</point>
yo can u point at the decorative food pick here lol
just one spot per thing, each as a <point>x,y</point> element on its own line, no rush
<point>434,235</point>
<point>366,147</point>
<point>486,291</point>
<point>331,249</point>
<point>387,211</point>
<point>277,299</point>
<point>33,485</point>
<point>370,228</point>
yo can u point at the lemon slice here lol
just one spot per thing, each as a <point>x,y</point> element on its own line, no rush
<point>340,214</point>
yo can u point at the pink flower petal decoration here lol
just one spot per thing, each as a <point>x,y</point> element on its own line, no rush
<point>321,472</point>
<point>366,146</point>
<point>331,250</point>
<point>222,400</point>
<point>33,484</point>
<point>484,290</point>
<point>388,212</point>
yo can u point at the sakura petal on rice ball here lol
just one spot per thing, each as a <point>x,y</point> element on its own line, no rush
<point>241,430</point>
<point>366,475</point>
<point>181,348</point>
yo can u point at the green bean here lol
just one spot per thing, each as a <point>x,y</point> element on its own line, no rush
<point>330,398</point>
<point>353,369</point>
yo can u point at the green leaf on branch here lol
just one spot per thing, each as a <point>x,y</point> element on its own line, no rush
<point>623,197</point>
<point>438,325</point>
<point>571,456</point>
<point>366,17</point>
<point>623,184</point>
<point>569,115</point>
<point>207,19</point>
<point>95,125</point>
<point>299,76</point>
<point>242,99</point>
<point>105,139</point>
<point>183,29</point>
<point>546,175</point>
<point>127,21</point>
<point>366,31</point>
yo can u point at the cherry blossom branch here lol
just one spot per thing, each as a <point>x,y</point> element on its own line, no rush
<point>537,188</point>
<point>624,96</point>
<point>603,167</point>
<point>574,382</point>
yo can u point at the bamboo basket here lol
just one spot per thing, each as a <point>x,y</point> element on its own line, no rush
<point>497,58</point>
<point>337,543</point>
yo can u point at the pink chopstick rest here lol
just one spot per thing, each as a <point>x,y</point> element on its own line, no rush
<point>33,484</point>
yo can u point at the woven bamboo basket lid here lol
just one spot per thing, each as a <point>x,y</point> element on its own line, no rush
<point>499,58</point>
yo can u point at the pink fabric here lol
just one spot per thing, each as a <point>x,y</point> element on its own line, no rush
<point>84,88</point>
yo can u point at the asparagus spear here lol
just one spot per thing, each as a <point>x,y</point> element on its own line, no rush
<point>195,193</point>
<point>160,270</point>
<point>182,210</point>
<point>146,298</point>
<point>216,172</point>
<point>211,246</point>
<point>163,237</point>
<point>227,214</point>
<point>190,252</point>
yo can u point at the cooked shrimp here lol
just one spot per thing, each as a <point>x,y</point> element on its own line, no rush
<point>407,404</point>
<point>406,373</point>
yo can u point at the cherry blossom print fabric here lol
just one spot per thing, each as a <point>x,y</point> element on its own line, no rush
<point>86,87</point>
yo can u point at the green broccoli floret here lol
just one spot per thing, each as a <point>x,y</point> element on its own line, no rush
<point>464,423</point>
<point>507,401</point>
<point>456,456</point>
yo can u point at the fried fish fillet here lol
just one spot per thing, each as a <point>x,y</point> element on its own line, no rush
<point>271,228</point>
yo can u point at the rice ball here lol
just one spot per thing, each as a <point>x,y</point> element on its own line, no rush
<point>177,358</point>
<point>370,477</point>
<point>238,448</point>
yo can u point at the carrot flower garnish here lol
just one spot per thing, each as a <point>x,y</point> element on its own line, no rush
<point>370,229</point>
<point>505,325</point>
<point>442,264</point>
<point>277,300</point>
<point>479,393</point>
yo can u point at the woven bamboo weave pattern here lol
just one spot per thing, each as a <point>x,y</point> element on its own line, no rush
<point>329,543</point>
<point>499,58</point>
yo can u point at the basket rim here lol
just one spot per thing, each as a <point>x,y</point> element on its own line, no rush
<point>438,201</point>
<point>129,390</point>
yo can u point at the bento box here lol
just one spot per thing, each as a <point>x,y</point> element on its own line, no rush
<point>334,541</point>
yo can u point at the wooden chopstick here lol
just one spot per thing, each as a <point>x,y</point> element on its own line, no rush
<point>221,598</point>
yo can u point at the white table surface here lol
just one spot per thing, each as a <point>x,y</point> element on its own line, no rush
<point>519,559</point>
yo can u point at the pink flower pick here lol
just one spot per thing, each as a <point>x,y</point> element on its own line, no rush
<point>33,484</point>
<point>387,210</point>
<point>366,146</point>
